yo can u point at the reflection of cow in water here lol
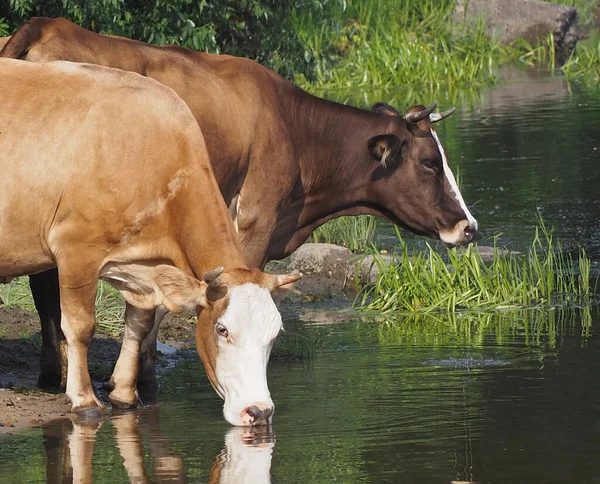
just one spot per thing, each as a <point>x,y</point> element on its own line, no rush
<point>246,457</point>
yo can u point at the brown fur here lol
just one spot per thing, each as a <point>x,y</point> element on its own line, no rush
<point>297,160</point>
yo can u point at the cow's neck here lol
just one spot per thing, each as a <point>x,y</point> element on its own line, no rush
<point>330,142</point>
<point>205,234</point>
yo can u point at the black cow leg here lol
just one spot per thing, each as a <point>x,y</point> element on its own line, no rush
<point>147,382</point>
<point>53,359</point>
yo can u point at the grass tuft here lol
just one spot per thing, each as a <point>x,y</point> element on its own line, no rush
<point>110,306</point>
<point>459,279</point>
<point>383,43</point>
<point>354,233</point>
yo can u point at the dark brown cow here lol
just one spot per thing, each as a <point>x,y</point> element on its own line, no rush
<point>285,161</point>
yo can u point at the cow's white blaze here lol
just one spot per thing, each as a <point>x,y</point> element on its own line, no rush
<point>449,238</point>
<point>252,321</point>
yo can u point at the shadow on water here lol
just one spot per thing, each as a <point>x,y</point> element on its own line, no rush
<point>69,452</point>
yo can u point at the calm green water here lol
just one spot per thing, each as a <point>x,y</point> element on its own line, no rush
<point>504,398</point>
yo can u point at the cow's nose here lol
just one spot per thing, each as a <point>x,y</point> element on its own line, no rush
<point>257,415</point>
<point>470,233</point>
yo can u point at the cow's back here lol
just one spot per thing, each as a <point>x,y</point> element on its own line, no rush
<point>76,139</point>
<point>233,99</point>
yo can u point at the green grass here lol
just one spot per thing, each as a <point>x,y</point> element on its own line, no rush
<point>413,45</point>
<point>584,63</point>
<point>355,233</point>
<point>401,43</point>
<point>458,279</point>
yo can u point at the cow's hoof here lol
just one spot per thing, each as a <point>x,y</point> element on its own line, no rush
<point>89,414</point>
<point>123,403</point>
<point>148,395</point>
<point>49,381</point>
<point>109,385</point>
<point>147,381</point>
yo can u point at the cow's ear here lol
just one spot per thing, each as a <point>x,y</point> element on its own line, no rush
<point>383,108</point>
<point>179,290</point>
<point>385,148</point>
<point>280,285</point>
<point>147,287</point>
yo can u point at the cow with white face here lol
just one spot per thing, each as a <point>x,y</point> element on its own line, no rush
<point>156,235</point>
<point>236,348</point>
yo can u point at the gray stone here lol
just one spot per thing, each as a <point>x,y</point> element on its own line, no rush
<point>165,349</point>
<point>532,20</point>
<point>369,269</point>
<point>324,268</point>
<point>487,253</point>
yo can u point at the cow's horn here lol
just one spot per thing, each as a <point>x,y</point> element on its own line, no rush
<point>416,117</point>
<point>213,278</point>
<point>435,117</point>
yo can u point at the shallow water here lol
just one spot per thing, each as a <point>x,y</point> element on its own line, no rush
<point>502,398</point>
<point>493,398</point>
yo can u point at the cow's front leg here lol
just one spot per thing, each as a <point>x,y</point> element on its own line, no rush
<point>138,323</point>
<point>53,358</point>
<point>78,325</point>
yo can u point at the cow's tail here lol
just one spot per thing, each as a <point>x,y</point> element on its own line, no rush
<point>19,44</point>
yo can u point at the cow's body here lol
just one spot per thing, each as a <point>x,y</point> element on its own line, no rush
<point>285,161</point>
<point>75,145</point>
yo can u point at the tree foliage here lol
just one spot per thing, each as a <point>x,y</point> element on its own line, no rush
<point>249,28</point>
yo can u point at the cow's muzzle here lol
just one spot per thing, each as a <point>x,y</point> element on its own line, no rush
<point>258,414</point>
<point>463,233</point>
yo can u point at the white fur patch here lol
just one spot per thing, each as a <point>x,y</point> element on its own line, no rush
<point>452,182</point>
<point>252,321</point>
<point>157,206</point>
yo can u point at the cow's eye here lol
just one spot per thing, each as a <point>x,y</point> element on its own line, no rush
<point>222,330</point>
<point>429,164</point>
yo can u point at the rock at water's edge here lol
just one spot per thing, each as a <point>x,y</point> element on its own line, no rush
<point>531,20</point>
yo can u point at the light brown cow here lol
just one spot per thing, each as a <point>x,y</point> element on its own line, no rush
<point>285,161</point>
<point>76,142</point>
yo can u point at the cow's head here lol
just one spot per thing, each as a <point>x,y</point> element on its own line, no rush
<point>237,325</point>
<point>420,190</point>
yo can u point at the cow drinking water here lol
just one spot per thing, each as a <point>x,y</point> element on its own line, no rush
<point>106,176</point>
